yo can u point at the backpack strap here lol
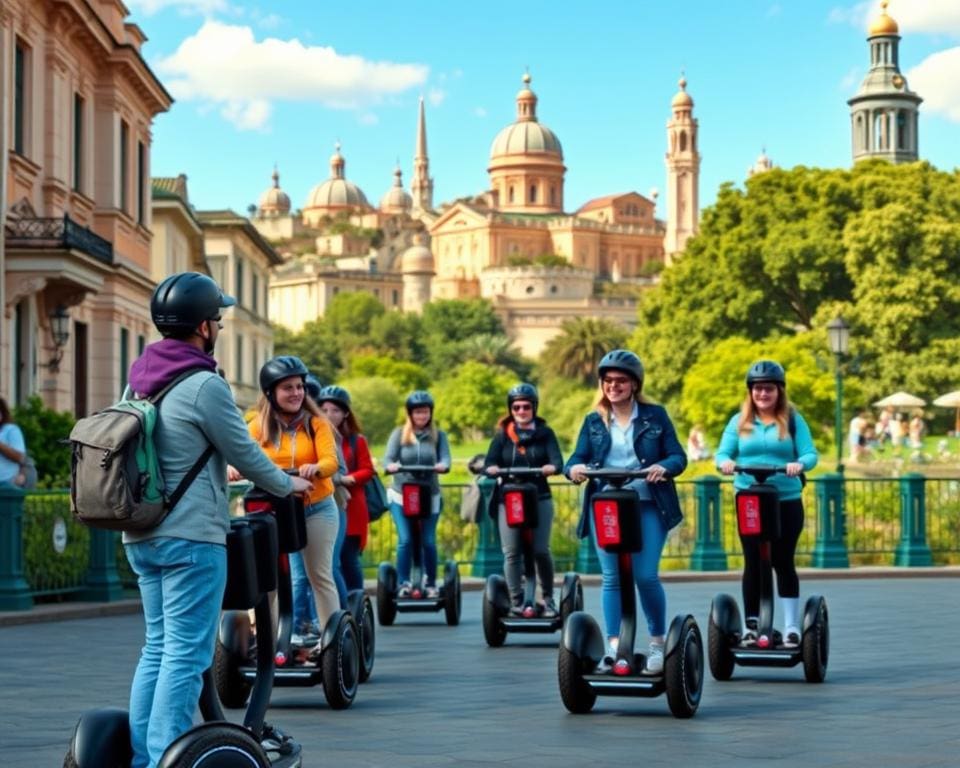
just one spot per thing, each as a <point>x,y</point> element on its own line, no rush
<point>352,439</point>
<point>792,426</point>
<point>156,398</point>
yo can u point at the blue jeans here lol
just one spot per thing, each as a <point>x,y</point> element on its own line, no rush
<point>646,564</point>
<point>181,586</point>
<point>428,527</point>
<point>337,549</point>
<point>304,607</point>
<point>350,563</point>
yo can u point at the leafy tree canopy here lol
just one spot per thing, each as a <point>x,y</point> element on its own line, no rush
<point>376,403</point>
<point>315,344</point>
<point>577,350</point>
<point>471,400</point>
<point>404,375</point>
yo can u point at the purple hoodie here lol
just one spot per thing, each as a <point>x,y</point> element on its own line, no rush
<point>162,361</point>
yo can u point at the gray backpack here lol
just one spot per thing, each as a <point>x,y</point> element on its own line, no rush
<point>116,481</point>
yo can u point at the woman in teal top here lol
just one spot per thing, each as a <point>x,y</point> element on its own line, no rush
<point>768,431</point>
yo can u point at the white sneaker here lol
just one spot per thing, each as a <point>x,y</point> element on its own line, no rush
<point>654,659</point>
<point>791,637</point>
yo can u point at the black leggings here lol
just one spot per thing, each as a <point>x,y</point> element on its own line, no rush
<point>781,551</point>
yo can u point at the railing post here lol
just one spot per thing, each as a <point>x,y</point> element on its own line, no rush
<point>14,589</point>
<point>830,550</point>
<point>488,558</point>
<point>708,553</point>
<point>913,548</point>
<point>102,581</point>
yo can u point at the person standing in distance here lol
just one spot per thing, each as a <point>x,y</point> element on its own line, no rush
<point>181,564</point>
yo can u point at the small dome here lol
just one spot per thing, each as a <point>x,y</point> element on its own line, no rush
<point>274,201</point>
<point>397,199</point>
<point>337,192</point>
<point>417,258</point>
<point>526,134</point>
<point>883,24</point>
<point>682,99</point>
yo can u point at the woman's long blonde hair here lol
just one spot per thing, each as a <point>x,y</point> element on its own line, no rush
<point>408,435</point>
<point>602,404</point>
<point>748,412</point>
<point>269,420</point>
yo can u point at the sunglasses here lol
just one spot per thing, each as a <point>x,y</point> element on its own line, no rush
<point>764,387</point>
<point>615,381</point>
<point>521,407</point>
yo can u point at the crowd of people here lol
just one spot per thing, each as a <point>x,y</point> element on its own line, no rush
<point>870,437</point>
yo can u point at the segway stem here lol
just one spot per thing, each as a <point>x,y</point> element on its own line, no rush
<point>263,685</point>
<point>628,609</point>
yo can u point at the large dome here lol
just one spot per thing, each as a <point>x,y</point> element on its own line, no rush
<point>397,199</point>
<point>527,134</point>
<point>417,259</point>
<point>274,202</point>
<point>336,192</point>
<point>884,24</point>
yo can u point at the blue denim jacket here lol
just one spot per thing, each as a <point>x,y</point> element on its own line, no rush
<point>654,440</point>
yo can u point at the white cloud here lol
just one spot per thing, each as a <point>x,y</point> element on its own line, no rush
<point>224,64</point>
<point>436,96</point>
<point>937,17</point>
<point>937,80</point>
<point>184,7</point>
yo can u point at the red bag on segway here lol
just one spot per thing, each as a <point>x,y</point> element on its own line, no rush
<point>520,505</point>
<point>416,499</point>
<point>758,512</point>
<point>616,521</point>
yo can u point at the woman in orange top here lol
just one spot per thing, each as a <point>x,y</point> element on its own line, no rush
<point>294,433</point>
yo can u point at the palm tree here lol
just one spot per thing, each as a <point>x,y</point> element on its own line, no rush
<point>576,351</point>
<point>495,350</point>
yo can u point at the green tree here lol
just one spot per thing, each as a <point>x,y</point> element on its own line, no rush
<point>459,319</point>
<point>352,313</point>
<point>471,400</point>
<point>44,433</point>
<point>399,335</point>
<point>577,350</point>
<point>315,344</point>
<point>495,350</point>
<point>404,375</point>
<point>376,402</point>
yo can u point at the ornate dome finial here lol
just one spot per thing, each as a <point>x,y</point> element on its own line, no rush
<point>884,24</point>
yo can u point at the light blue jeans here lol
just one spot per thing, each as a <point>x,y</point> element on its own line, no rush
<point>337,550</point>
<point>646,565</point>
<point>405,547</point>
<point>181,586</point>
<point>304,607</point>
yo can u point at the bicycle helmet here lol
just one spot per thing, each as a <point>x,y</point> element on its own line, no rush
<point>766,370</point>
<point>279,368</point>
<point>336,395</point>
<point>621,360</point>
<point>313,387</point>
<point>184,300</point>
<point>523,391</point>
<point>419,399</point>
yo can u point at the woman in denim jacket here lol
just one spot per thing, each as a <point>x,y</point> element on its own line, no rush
<point>627,432</point>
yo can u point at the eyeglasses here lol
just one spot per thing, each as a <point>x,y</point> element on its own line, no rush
<point>764,387</point>
<point>615,381</point>
<point>521,407</point>
<point>218,320</point>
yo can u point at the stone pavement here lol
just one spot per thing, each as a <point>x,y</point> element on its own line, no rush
<point>439,697</point>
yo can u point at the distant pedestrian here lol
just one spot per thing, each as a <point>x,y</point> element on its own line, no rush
<point>13,450</point>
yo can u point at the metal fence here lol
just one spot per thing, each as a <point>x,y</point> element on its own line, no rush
<point>901,521</point>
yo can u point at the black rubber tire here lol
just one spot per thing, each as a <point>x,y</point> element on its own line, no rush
<point>816,647</point>
<point>340,665</point>
<point>493,630</point>
<point>232,687</point>
<point>453,600</point>
<point>386,605</point>
<point>719,653</point>
<point>565,613</point>
<point>225,748</point>
<point>577,695</point>
<point>368,639</point>
<point>683,671</point>
<point>69,761</point>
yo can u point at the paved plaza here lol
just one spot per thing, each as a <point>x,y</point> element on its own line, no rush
<point>439,697</point>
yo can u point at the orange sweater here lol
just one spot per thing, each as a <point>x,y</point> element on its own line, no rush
<point>322,450</point>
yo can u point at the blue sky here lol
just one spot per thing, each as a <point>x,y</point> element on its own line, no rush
<point>259,83</point>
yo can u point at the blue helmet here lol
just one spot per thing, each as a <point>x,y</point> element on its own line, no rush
<point>523,391</point>
<point>276,369</point>
<point>313,386</point>
<point>336,395</point>
<point>419,399</point>
<point>621,360</point>
<point>766,370</point>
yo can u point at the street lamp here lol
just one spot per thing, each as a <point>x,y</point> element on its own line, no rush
<point>60,331</point>
<point>838,336</point>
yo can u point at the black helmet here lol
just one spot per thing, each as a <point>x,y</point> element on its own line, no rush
<point>182,301</point>
<point>336,395</point>
<point>279,368</point>
<point>312,384</point>
<point>523,391</point>
<point>419,399</point>
<point>621,360</point>
<point>766,370</point>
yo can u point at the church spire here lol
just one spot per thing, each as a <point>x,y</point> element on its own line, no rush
<point>683,173</point>
<point>421,185</point>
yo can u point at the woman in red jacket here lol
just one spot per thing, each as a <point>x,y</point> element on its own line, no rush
<point>335,403</point>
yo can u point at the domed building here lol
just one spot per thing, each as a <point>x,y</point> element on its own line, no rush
<point>761,165</point>
<point>274,202</point>
<point>417,268</point>
<point>397,201</point>
<point>335,195</point>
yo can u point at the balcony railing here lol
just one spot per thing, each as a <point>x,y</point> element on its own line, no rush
<point>61,232</point>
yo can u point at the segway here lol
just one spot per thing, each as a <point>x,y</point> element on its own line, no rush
<point>417,505</point>
<point>338,667</point>
<point>520,505</point>
<point>758,515</point>
<point>102,737</point>
<point>582,673</point>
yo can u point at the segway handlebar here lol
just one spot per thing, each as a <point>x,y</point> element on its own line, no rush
<point>519,472</point>
<point>413,469</point>
<point>761,472</point>
<point>615,475</point>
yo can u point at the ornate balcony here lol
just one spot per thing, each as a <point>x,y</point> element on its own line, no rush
<point>58,233</point>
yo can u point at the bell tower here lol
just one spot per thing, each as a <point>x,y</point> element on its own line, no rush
<point>683,174</point>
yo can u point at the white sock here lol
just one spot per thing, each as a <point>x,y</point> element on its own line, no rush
<point>790,606</point>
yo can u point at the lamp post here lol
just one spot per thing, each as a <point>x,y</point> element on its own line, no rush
<point>838,336</point>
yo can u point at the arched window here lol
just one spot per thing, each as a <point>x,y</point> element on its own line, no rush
<point>553,195</point>
<point>533,193</point>
<point>683,141</point>
<point>901,129</point>
<point>510,195</point>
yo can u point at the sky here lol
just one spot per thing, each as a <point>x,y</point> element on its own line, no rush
<point>259,83</point>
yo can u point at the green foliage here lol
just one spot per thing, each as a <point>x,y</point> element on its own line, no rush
<point>577,350</point>
<point>44,431</point>
<point>352,313</point>
<point>552,260</point>
<point>376,402</point>
<point>459,319</point>
<point>494,350</point>
<point>399,335</point>
<point>564,404</point>
<point>45,569</point>
<point>405,376</point>
<point>471,400</point>
<point>315,344</point>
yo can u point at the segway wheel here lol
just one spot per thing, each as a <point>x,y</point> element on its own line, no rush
<point>452,596</point>
<point>577,695</point>
<point>816,646</point>
<point>232,687</point>
<point>368,642</point>
<point>215,745</point>
<point>340,665</point>
<point>719,653</point>
<point>683,671</point>
<point>386,605</point>
<point>493,630</point>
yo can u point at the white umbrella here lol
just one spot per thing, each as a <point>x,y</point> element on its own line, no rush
<point>900,400</point>
<point>951,400</point>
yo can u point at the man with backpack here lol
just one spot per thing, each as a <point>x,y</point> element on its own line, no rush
<point>181,562</point>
